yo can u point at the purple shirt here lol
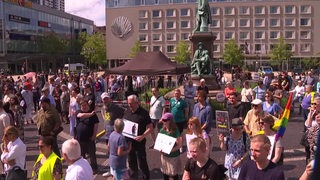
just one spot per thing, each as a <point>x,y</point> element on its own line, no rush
<point>306,101</point>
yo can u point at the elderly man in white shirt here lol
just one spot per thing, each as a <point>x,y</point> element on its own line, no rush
<point>299,91</point>
<point>79,168</point>
<point>14,151</point>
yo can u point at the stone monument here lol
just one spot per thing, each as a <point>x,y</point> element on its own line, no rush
<point>202,47</point>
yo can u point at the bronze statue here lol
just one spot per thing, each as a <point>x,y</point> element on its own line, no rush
<point>203,16</point>
<point>201,63</point>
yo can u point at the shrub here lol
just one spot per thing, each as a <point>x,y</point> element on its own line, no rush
<point>148,94</point>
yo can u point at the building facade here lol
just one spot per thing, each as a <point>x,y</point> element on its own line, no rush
<point>255,25</point>
<point>23,25</point>
<point>54,4</point>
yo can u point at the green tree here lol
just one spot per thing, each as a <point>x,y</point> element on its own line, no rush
<point>310,63</point>
<point>232,54</point>
<point>51,44</point>
<point>182,53</point>
<point>280,53</point>
<point>94,48</point>
<point>137,47</point>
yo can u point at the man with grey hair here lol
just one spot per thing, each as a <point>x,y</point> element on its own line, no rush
<point>137,155</point>
<point>79,168</point>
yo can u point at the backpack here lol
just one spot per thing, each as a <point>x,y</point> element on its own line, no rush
<point>16,173</point>
<point>244,139</point>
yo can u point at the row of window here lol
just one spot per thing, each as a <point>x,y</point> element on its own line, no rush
<point>261,22</point>
<point>243,35</point>
<point>257,48</point>
<point>262,10</point>
<point>246,35</point>
<point>169,25</point>
<point>242,10</point>
<point>288,22</point>
<point>160,37</point>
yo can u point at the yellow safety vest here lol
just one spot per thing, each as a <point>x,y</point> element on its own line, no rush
<point>46,170</point>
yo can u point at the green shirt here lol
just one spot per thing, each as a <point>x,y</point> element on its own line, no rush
<point>176,134</point>
<point>177,109</point>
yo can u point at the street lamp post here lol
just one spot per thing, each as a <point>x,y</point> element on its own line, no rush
<point>68,66</point>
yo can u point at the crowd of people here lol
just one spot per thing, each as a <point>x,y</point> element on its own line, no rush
<point>252,150</point>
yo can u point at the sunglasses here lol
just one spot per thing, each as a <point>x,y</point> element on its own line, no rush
<point>254,105</point>
<point>314,104</point>
<point>41,146</point>
<point>165,120</point>
<point>261,123</point>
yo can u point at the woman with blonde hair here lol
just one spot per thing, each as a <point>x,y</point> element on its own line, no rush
<point>194,130</point>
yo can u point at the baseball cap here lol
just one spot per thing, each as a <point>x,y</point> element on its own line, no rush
<point>105,95</point>
<point>236,122</point>
<point>256,102</point>
<point>167,116</point>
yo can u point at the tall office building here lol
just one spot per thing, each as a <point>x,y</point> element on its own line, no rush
<point>26,29</point>
<point>256,24</point>
<point>55,4</point>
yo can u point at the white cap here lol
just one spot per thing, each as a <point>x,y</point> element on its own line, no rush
<point>202,80</point>
<point>104,95</point>
<point>256,101</point>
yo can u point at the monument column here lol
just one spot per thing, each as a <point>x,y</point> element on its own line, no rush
<point>202,47</point>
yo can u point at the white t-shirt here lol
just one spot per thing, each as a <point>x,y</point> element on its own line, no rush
<point>80,169</point>
<point>299,91</point>
<point>278,144</point>
<point>246,95</point>
<point>17,150</point>
<point>156,107</point>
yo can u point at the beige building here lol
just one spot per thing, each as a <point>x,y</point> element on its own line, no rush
<point>255,25</point>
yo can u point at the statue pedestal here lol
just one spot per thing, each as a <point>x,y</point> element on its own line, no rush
<point>210,81</point>
<point>207,39</point>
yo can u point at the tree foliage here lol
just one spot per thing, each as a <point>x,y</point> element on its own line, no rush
<point>52,44</point>
<point>310,63</point>
<point>232,54</point>
<point>94,48</point>
<point>137,47</point>
<point>280,53</point>
<point>182,53</point>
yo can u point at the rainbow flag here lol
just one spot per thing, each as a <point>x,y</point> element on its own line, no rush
<point>283,122</point>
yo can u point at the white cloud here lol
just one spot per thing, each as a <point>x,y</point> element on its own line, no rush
<point>89,9</point>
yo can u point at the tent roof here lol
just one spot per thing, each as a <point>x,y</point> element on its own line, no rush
<point>150,63</point>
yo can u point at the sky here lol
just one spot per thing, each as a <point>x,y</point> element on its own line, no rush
<point>89,9</point>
